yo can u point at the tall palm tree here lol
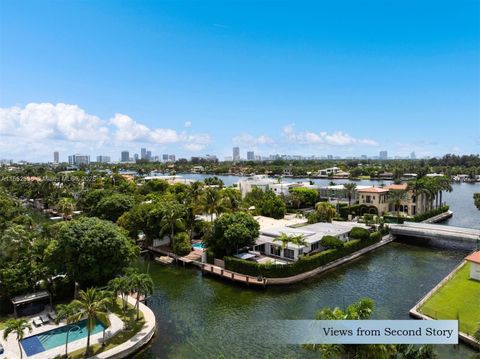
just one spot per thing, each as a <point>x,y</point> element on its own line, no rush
<point>325,211</point>
<point>172,217</point>
<point>298,240</point>
<point>350,190</point>
<point>142,284</point>
<point>66,206</point>
<point>231,199</point>
<point>121,286</point>
<point>211,201</point>
<point>66,312</point>
<point>92,305</point>
<point>396,198</point>
<point>18,327</point>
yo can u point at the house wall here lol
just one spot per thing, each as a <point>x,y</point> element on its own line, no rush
<point>474,270</point>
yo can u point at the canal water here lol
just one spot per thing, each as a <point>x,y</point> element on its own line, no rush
<point>204,317</point>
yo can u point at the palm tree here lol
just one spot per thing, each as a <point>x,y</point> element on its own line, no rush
<point>66,312</point>
<point>350,190</point>
<point>231,199</point>
<point>298,240</point>
<point>92,304</point>
<point>325,211</point>
<point>211,201</point>
<point>172,217</point>
<point>66,206</point>
<point>142,284</point>
<point>396,198</point>
<point>18,327</point>
<point>121,286</point>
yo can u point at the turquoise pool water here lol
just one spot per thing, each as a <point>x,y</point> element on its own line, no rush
<point>57,337</point>
<point>198,246</point>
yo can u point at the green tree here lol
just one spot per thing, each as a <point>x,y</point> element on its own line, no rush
<point>66,312</point>
<point>231,199</point>
<point>213,181</point>
<point>231,232</point>
<point>113,206</point>
<point>307,196</point>
<point>350,191</point>
<point>92,304</point>
<point>142,284</point>
<point>17,327</point>
<point>121,286</point>
<point>286,238</point>
<point>325,211</point>
<point>396,198</point>
<point>83,249</point>
<point>331,242</point>
<point>66,206</point>
<point>173,218</point>
<point>211,202</point>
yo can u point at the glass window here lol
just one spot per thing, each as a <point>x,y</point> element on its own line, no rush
<point>289,253</point>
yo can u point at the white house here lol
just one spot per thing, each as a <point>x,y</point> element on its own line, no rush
<point>474,260</point>
<point>312,234</point>
<point>265,183</point>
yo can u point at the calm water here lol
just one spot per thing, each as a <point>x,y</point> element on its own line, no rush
<point>460,199</point>
<point>204,317</point>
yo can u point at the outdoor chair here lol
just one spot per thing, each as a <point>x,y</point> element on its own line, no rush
<point>37,322</point>
<point>52,315</point>
<point>44,319</point>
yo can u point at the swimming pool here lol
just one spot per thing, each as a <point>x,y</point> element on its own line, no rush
<point>56,337</point>
<point>199,245</point>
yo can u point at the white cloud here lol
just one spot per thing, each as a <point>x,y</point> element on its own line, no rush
<point>42,121</point>
<point>187,124</point>
<point>247,139</point>
<point>46,126</point>
<point>337,138</point>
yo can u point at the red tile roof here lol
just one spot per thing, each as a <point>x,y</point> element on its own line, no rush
<point>474,257</point>
<point>374,190</point>
<point>397,187</point>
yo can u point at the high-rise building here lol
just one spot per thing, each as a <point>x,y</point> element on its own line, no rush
<point>148,155</point>
<point>250,156</point>
<point>103,159</point>
<point>56,157</point>
<point>143,153</point>
<point>236,154</point>
<point>383,155</point>
<point>413,156</point>
<point>125,156</point>
<point>171,158</point>
<point>78,159</point>
<point>165,157</point>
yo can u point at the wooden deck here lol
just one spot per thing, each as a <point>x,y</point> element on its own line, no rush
<point>233,276</point>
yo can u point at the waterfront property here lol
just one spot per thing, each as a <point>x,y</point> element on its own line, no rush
<point>266,183</point>
<point>376,200</point>
<point>474,261</point>
<point>457,297</point>
<point>269,244</point>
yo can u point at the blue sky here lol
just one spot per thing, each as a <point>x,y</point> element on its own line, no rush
<point>196,77</point>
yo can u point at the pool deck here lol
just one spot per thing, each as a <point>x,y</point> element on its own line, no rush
<point>11,345</point>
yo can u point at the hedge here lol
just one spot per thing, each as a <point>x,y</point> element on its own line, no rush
<point>304,264</point>
<point>429,214</point>
<point>359,233</point>
<point>331,242</point>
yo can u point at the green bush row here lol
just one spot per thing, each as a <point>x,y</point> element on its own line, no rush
<point>304,264</point>
<point>427,215</point>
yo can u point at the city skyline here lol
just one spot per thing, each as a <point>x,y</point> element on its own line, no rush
<point>280,79</point>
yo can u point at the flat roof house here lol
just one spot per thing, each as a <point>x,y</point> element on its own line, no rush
<point>312,234</point>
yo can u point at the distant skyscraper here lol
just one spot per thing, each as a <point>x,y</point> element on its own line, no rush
<point>165,157</point>
<point>143,153</point>
<point>78,159</point>
<point>103,159</point>
<point>125,156</point>
<point>236,153</point>
<point>136,157</point>
<point>171,158</point>
<point>251,156</point>
<point>56,157</point>
<point>383,155</point>
<point>148,155</point>
<point>330,157</point>
<point>413,156</point>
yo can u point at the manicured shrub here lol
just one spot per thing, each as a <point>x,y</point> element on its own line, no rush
<point>181,244</point>
<point>376,236</point>
<point>304,264</point>
<point>359,233</point>
<point>429,214</point>
<point>331,242</point>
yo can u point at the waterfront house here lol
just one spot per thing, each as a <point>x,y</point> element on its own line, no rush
<point>337,193</point>
<point>268,244</point>
<point>474,260</point>
<point>265,183</point>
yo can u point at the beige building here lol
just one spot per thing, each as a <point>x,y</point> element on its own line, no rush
<point>378,197</point>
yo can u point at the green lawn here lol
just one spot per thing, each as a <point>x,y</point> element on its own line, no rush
<point>458,298</point>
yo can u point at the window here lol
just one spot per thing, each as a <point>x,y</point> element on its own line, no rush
<point>315,246</point>
<point>274,250</point>
<point>289,253</point>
